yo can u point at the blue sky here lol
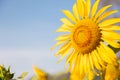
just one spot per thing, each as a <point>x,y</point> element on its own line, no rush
<point>27,32</point>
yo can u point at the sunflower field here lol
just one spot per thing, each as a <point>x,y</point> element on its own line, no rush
<point>87,43</point>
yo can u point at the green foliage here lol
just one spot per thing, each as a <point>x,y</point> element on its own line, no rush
<point>34,78</point>
<point>118,78</point>
<point>5,73</point>
<point>22,76</point>
<point>119,61</point>
<point>65,79</point>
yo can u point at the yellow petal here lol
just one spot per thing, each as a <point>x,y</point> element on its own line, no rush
<point>66,22</point>
<point>80,7</point>
<point>101,11</point>
<point>81,64</point>
<point>75,11</point>
<point>91,76</point>
<point>70,57</point>
<point>57,44</point>
<point>95,61</point>
<point>63,48</point>
<point>72,61</point>
<point>111,56</point>
<point>84,63</point>
<point>103,55</point>
<point>69,15</point>
<point>112,43</point>
<point>70,69</point>
<point>87,7</point>
<point>91,62</point>
<point>64,53</point>
<point>77,62</point>
<point>109,22</point>
<point>74,57</point>
<point>88,64</point>
<point>110,35</point>
<point>94,8</point>
<point>106,15</point>
<point>112,27</point>
<point>109,52</point>
<point>64,28</point>
<point>39,72</point>
<point>101,62</point>
<point>112,72</point>
<point>63,37</point>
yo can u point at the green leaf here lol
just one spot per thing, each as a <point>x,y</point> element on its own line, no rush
<point>34,78</point>
<point>11,76</point>
<point>119,61</point>
<point>1,78</point>
<point>23,75</point>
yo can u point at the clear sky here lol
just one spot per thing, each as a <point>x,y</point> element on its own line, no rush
<point>27,32</point>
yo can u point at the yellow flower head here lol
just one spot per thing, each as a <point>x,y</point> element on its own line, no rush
<point>112,72</point>
<point>41,75</point>
<point>86,36</point>
<point>77,76</point>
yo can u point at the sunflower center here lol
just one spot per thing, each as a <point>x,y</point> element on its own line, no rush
<point>86,36</point>
<point>82,36</point>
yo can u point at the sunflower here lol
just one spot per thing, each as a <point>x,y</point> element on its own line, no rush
<point>112,72</point>
<point>86,36</point>
<point>41,75</point>
<point>76,76</point>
